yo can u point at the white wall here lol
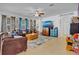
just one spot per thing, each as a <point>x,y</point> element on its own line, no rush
<point>55,19</point>
<point>0,22</point>
<point>66,20</point>
<point>17,22</point>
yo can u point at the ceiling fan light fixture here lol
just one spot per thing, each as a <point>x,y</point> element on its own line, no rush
<point>52,4</point>
<point>39,12</point>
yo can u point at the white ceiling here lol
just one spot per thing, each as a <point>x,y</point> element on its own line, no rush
<point>28,9</point>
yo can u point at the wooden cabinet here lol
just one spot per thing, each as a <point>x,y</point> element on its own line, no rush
<point>74,28</point>
<point>45,31</point>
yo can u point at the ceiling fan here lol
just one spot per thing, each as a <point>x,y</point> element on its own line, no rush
<point>39,12</point>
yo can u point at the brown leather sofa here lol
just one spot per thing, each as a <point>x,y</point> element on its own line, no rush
<point>12,46</point>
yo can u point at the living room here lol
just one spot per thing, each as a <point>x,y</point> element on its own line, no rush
<point>37,28</point>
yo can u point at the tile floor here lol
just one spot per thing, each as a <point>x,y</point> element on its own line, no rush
<point>53,46</point>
